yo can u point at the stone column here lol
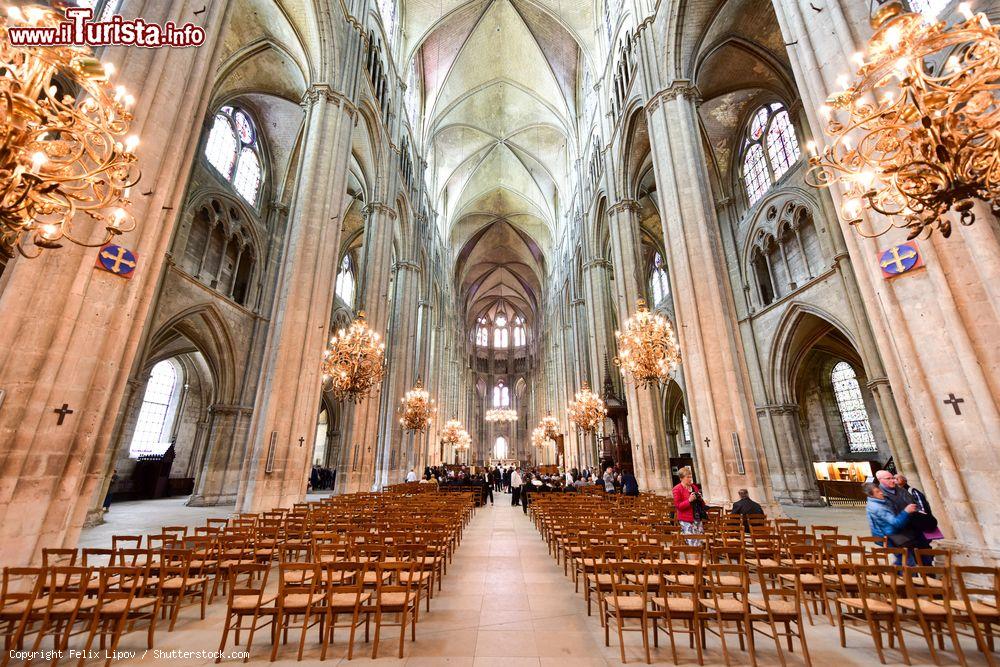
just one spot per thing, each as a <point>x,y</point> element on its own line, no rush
<point>222,455</point>
<point>642,403</point>
<point>71,332</point>
<point>275,472</point>
<point>363,440</point>
<point>792,474</point>
<point>713,365</point>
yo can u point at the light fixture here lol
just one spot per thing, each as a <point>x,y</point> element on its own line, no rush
<point>550,425</point>
<point>464,441</point>
<point>538,437</point>
<point>647,349</point>
<point>501,415</point>
<point>587,411</point>
<point>450,434</point>
<point>66,164</point>
<point>916,135</point>
<point>354,362</point>
<point>418,408</point>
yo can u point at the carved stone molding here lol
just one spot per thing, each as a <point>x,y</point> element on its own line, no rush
<point>222,409</point>
<point>777,409</point>
<point>323,91</point>
<point>624,205</point>
<point>599,263</point>
<point>875,383</point>
<point>379,207</point>
<point>409,265</point>
<point>679,88</point>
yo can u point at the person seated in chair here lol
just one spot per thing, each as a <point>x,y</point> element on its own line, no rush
<point>745,507</point>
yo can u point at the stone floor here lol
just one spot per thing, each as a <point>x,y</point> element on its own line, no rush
<point>505,602</point>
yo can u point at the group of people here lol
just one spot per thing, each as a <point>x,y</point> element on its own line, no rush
<point>900,514</point>
<point>322,478</point>
<point>692,510</point>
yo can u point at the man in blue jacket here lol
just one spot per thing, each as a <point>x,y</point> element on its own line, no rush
<point>882,519</point>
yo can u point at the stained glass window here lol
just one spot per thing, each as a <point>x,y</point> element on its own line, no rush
<point>519,332</point>
<point>345,282</point>
<point>769,149</point>
<point>851,404</point>
<point>483,332</point>
<point>152,428</point>
<point>500,448</point>
<point>233,150</point>
<point>501,337</point>
<point>501,395</point>
<point>659,284</point>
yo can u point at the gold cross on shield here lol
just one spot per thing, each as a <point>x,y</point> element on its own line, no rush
<point>118,259</point>
<point>897,259</point>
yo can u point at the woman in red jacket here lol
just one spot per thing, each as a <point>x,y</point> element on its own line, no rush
<point>689,505</point>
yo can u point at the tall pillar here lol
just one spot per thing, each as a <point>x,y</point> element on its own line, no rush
<point>219,479</point>
<point>363,440</point>
<point>642,403</point>
<point>714,370</point>
<point>71,332</point>
<point>276,466</point>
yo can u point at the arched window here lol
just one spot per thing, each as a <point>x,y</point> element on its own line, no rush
<point>152,428</point>
<point>500,448</point>
<point>852,409</point>
<point>658,283</point>
<point>520,334</point>
<point>234,151</point>
<point>319,445</point>
<point>769,149</point>
<point>501,395</point>
<point>501,334</point>
<point>482,332</point>
<point>345,281</point>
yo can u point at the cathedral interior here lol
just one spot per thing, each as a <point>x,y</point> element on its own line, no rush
<point>492,196</point>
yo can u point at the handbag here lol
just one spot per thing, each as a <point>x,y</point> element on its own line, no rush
<point>935,534</point>
<point>901,540</point>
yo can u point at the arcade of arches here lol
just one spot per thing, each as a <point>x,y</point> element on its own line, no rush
<point>495,183</point>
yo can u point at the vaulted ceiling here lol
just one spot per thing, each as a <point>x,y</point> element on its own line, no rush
<point>500,82</point>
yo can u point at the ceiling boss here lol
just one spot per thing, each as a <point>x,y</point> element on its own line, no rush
<point>65,159</point>
<point>917,134</point>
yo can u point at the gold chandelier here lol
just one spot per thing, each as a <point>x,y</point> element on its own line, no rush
<point>501,415</point>
<point>418,409</point>
<point>550,426</point>
<point>64,154</point>
<point>354,363</point>
<point>538,437</point>
<point>647,349</point>
<point>464,441</point>
<point>917,134</point>
<point>588,411</point>
<point>451,433</point>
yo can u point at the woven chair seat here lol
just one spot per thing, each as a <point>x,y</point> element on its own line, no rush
<point>878,606</point>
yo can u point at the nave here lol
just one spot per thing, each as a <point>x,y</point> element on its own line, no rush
<point>505,601</point>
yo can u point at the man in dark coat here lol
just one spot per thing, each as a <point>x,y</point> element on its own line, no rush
<point>745,507</point>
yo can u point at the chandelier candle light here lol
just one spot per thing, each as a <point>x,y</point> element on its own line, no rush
<point>917,134</point>
<point>65,158</point>
<point>450,434</point>
<point>354,363</point>
<point>647,348</point>
<point>418,409</point>
<point>588,411</point>
<point>550,426</point>
<point>501,415</point>
<point>538,437</point>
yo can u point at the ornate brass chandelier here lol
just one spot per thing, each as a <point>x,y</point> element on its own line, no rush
<point>918,133</point>
<point>550,426</point>
<point>538,437</point>
<point>354,362</point>
<point>588,411</point>
<point>418,409</point>
<point>464,443</point>
<point>647,349</point>
<point>64,155</point>
<point>501,415</point>
<point>451,433</point>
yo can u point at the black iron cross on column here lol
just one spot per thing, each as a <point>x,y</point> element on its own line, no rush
<point>301,440</point>
<point>708,442</point>
<point>62,412</point>
<point>953,401</point>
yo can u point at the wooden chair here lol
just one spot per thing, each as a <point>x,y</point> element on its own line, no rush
<point>422,578</point>
<point>629,599</point>
<point>119,605</point>
<point>247,600</point>
<point>394,595</point>
<point>300,595</point>
<point>931,606</point>
<point>875,605</point>
<point>678,599</point>
<point>807,559</point>
<point>346,595</point>
<point>177,583</point>
<point>725,600</point>
<point>979,587</point>
<point>780,604</point>
<point>66,605</point>
<point>22,593</point>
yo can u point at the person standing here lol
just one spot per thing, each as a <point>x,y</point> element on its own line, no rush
<point>515,486</point>
<point>630,485</point>
<point>609,480</point>
<point>507,474</point>
<point>885,522</point>
<point>911,535</point>
<point>107,498</point>
<point>411,476</point>
<point>689,505</point>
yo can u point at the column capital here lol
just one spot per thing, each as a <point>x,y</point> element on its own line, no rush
<point>682,88</point>
<point>220,408</point>
<point>777,409</point>
<point>624,205</point>
<point>409,265</point>
<point>279,206</point>
<point>597,263</point>
<point>323,91</point>
<point>379,207</point>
